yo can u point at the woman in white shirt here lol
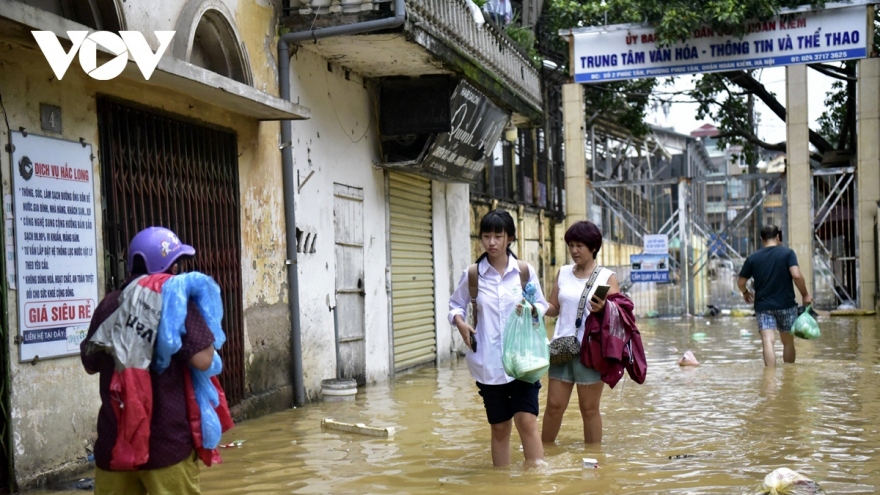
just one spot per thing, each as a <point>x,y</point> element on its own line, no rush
<point>584,240</point>
<point>507,401</point>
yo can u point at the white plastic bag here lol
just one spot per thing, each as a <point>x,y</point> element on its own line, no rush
<point>784,481</point>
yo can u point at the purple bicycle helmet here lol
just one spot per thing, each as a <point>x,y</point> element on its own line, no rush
<point>159,248</point>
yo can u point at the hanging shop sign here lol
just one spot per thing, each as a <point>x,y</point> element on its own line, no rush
<point>461,153</point>
<point>458,154</point>
<point>55,244</point>
<point>800,36</point>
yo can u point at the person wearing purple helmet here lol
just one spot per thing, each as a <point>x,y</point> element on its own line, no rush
<point>171,463</point>
<point>156,250</point>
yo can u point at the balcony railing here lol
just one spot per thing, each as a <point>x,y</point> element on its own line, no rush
<point>487,46</point>
<point>451,23</point>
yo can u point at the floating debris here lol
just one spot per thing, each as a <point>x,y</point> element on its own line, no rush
<point>361,428</point>
<point>784,481</point>
<point>688,359</point>
<point>84,484</point>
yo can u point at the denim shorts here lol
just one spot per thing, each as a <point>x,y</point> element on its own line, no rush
<point>777,319</point>
<point>503,401</point>
<point>574,372</point>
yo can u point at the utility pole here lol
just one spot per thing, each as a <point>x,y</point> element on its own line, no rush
<point>757,220</point>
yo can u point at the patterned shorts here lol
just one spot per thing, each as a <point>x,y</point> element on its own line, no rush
<point>777,319</point>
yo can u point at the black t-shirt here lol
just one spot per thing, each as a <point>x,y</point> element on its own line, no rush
<point>769,267</point>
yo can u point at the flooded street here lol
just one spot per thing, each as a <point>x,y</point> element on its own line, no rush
<point>714,429</point>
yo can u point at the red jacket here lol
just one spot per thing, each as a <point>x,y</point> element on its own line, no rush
<point>612,342</point>
<point>129,335</point>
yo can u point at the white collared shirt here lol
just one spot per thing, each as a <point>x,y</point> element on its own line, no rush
<point>497,298</point>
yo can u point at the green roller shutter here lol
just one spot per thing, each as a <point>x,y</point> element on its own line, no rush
<point>412,271</point>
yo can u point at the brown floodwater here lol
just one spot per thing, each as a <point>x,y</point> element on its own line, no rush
<point>718,428</point>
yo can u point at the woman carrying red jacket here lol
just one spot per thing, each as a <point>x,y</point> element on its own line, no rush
<point>584,239</point>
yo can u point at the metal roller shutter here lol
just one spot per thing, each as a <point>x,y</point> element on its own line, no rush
<point>412,271</point>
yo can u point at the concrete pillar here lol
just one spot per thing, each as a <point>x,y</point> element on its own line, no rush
<point>687,279</point>
<point>575,154</point>
<point>868,174</point>
<point>797,177</point>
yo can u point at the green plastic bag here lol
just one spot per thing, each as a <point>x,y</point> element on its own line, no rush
<point>526,354</point>
<point>805,325</point>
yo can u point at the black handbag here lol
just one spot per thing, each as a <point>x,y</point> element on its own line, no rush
<point>566,349</point>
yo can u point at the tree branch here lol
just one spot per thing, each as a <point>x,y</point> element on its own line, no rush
<point>826,69</point>
<point>740,132</point>
<point>781,147</point>
<point>744,80</point>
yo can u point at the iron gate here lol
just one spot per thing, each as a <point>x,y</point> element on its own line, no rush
<point>161,170</point>
<point>729,212</point>
<point>713,223</point>
<point>835,234</point>
<point>629,210</point>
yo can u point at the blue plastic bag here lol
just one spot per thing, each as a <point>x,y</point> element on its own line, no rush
<point>208,399</point>
<point>176,293</point>
<point>205,293</point>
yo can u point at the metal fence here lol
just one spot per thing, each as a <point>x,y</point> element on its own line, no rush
<point>835,235</point>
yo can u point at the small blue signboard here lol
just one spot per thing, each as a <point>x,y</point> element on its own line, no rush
<point>649,268</point>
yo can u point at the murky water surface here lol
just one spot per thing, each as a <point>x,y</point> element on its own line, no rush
<point>714,429</point>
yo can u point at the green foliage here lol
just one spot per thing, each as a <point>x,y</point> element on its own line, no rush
<point>721,97</point>
<point>831,120</point>
<point>731,109</point>
<point>623,102</point>
<point>480,3</point>
<point>525,37</point>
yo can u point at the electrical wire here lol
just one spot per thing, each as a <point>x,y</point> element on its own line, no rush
<point>5,114</point>
<point>339,121</point>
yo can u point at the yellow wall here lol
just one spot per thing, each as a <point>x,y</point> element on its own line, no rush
<point>538,239</point>
<point>53,401</point>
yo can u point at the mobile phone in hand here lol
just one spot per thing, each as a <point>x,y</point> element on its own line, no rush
<point>601,291</point>
<point>474,342</point>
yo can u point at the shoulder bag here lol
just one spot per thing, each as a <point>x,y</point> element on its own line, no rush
<point>565,349</point>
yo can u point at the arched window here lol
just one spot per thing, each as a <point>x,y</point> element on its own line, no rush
<point>100,15</point>
<point>215,46</point>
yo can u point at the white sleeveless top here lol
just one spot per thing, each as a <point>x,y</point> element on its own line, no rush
<point>570,290</point>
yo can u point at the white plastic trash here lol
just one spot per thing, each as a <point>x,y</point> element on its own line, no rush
<point>590,463</point>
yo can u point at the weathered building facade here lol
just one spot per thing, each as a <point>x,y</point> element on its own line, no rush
<point>320,214</point>
<point>193,148</point>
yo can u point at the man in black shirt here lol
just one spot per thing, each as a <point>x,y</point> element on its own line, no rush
<point>774,267</point>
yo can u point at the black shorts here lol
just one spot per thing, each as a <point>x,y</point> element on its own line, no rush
<point>503,401</point>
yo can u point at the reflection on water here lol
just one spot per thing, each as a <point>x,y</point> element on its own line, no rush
<point>714,429</point>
